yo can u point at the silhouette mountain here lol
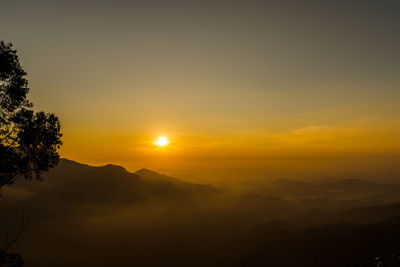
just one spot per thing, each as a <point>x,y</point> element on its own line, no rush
<point>74,182</point>
<point>106,216</point>
<point>342,244</point>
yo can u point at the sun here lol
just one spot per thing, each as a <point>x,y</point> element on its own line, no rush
<point>161,141</point>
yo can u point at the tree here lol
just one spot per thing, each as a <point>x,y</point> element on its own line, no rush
<point>29,140</point>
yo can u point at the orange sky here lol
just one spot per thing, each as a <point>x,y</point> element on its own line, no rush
<point>246,84</point>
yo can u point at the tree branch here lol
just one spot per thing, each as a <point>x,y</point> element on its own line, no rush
<point>25,219</point>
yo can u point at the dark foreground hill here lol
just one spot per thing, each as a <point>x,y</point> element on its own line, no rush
<point>106,216</point>
<point>344,244</point>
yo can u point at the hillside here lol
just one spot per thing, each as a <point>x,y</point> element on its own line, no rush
<point>107,216</point>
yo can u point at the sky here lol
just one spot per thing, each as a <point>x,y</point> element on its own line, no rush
<point>233,85</point>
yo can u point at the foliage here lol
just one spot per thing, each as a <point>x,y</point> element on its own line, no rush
<point>29,140</point>
<point>10,259</point>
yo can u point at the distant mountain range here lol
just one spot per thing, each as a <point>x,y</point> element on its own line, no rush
<point>106,216</point>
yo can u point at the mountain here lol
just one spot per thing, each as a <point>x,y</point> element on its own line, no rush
<point>332,194</point>
<point>106,216</point>
<point>342,244</point>
<point>101,216</point>
<point>107,184</point>
<point>155,178</point>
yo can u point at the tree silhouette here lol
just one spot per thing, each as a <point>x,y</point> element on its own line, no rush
<point>28,140</point>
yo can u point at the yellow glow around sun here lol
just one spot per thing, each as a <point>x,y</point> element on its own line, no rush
<point>161,141</point>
